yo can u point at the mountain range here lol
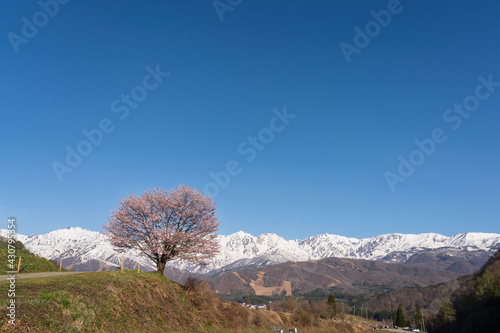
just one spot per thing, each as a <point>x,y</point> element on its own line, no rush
<point>82,249</point>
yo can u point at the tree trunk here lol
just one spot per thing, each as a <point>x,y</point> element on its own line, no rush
<point>160,266</point>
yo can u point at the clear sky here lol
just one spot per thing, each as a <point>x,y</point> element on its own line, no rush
<point>303,110</point>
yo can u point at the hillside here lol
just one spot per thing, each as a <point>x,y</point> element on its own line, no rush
<point>30,263</point>
<point>429,297</point>
<point>345,278</point>
<point>146,302</point>
<point>475,306</point>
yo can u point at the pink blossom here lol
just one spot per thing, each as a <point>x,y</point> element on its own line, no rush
<point>167,225</point>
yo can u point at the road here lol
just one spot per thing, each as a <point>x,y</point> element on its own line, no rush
<point>37,275</point>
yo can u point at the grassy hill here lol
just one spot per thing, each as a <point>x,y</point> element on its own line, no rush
<point>30,263</point>
<point>146,302</point>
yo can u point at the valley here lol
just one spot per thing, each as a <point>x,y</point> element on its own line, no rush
<point>405,276</point>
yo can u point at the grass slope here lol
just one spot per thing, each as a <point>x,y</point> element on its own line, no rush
<point>146,302</point>
<point>29,263</point>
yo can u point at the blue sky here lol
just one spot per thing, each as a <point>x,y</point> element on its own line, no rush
<point>322,169</point>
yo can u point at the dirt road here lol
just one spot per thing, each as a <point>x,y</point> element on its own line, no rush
<point>37,275</point>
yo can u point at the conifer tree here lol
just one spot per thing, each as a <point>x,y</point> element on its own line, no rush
<point>418,317</point>
<point>446,315</point>
<point>333,305</point>
<point>400,320</point>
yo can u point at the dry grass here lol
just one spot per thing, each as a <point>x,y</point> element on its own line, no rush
<point>146,302</point>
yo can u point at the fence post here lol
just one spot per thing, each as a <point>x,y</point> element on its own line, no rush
<point>60,265</point>
<point>19,265</point>
<point>123,261</point>
<point>139,268</point>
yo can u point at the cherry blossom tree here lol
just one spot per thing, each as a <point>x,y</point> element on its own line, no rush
<point>166,225</point>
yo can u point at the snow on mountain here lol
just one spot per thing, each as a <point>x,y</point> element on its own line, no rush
<point>77,245</point>
<point>473,239</point>
<point>5,233</point>
<point>241,249</point>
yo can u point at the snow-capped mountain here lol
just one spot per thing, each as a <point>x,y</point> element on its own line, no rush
<point>242,249</point>
<point>88,250</point>
<point>78,247</point>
